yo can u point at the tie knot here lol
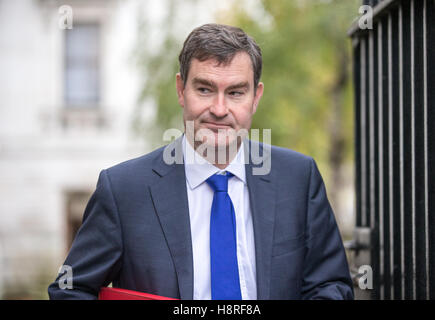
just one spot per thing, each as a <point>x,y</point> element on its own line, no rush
<point>219,182</point>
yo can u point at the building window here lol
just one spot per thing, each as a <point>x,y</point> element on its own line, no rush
<point>82,69</point>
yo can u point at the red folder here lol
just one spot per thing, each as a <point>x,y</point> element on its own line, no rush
<point>124,294</point>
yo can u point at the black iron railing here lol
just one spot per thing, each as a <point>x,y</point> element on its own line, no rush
<point>394,79</point>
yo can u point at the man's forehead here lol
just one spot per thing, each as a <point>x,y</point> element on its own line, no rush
<point>239,59</point>
<point>239,68</point>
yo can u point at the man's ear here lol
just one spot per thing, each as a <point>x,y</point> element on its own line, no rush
<point>258,95</point>
<point>180,89</point>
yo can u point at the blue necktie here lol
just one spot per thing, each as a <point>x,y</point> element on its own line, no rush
<point>225,283</point>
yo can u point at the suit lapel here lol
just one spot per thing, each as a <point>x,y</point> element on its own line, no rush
<point>169,196</point>
<point>262,200</point>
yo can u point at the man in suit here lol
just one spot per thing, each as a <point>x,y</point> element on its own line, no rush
<point>217,228</point>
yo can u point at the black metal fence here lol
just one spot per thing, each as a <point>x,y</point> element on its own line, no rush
<point>394,78</point>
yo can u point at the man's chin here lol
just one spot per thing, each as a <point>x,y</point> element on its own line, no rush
<point>221,142</point>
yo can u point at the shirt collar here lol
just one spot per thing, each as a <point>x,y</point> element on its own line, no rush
<point>198,169</point>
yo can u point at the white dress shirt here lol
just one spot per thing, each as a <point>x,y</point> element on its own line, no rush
<point>200,197</point>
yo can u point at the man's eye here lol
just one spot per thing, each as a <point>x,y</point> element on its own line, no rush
<point>236,93</point>
<point>203,90</point>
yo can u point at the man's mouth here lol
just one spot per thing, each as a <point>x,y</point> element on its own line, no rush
<point>217,125</point>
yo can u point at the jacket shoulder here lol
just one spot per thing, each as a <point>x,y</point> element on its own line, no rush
<point>289,154</point>
<point>132,167</point>
<point>284,159</point>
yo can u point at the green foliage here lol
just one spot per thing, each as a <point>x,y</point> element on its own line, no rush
<point>303,50</point>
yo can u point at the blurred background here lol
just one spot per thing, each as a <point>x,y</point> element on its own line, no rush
<point>87,84</point>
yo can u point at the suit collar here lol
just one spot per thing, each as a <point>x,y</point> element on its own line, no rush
<point>198,169</point>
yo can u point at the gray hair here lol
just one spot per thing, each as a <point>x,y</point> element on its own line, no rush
<point>220,42</point>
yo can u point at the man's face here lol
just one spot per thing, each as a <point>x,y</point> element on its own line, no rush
<point>219,97</point>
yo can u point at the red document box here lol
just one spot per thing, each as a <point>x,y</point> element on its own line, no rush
<point>124,294</point>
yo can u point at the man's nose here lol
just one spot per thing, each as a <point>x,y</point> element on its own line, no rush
<point>219,107</point>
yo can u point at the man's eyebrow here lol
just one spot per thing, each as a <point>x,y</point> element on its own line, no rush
<point>204,82</point>
<point>240,85</point>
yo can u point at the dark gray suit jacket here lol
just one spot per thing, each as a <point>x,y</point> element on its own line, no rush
<point>136,232</point>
